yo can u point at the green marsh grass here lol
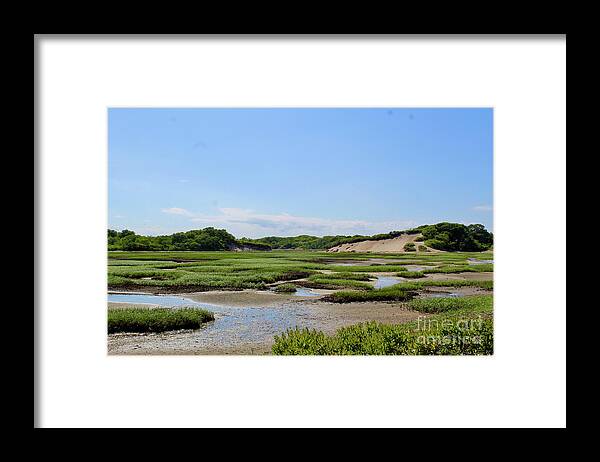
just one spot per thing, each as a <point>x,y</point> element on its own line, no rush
<point>156,319</point>
<point>384,339</point>
<point>460,327</point>
<point>375,295</point>
<point>342,275</point>
<point>412,274</point>
<point>450,269</point>
<point>285,288</point>
<point>316,282</point>
<point>403,291</point>
<point>374,268</point>
<point>417,285</point>
<point>204,271</point>
<point>474,304</point>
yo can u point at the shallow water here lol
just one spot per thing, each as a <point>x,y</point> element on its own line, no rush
<point>473,261</point>
<point>304,292</point>
<point>386,281</point>
<point>232,325</point>
<point>148,299</point>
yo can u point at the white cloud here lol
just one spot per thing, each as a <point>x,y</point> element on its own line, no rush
<point>243,222</point>
<point>483,208</point>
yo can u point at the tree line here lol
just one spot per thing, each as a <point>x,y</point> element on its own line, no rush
<point>455,237</point>
<point>198,239</point>
<point>441,236</point>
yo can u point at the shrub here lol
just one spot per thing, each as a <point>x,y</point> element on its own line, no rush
<point>423,248</point>
<point>457,237</point>
<point>409,247</point>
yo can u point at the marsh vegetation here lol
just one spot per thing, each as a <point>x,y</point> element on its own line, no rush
<point>156,319</point>
<point>464,327</point>
<point>331,302</point>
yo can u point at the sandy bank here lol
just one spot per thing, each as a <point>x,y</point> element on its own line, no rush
<point>394,245</point>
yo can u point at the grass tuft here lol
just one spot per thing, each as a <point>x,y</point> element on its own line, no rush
<point>156,319</point>
<point>386,294</point>
<point>323,281</point>
<point>285,288</point>
<point>477,303</point>
<point>412,274</point>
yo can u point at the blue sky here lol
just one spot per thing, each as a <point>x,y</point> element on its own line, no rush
<point>284,172</point>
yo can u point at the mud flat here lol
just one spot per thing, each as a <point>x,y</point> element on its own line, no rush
<point>244,298</point>
<point>243,329</point>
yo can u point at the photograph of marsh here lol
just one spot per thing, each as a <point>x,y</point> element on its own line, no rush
<point>300,231</point>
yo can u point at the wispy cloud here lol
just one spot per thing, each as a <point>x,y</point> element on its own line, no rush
<point>244,222</point>
<point>483,208</point>
<point>177,211</point>
<point>148,230</point>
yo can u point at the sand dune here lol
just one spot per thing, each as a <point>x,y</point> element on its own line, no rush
<point>385,245</point>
